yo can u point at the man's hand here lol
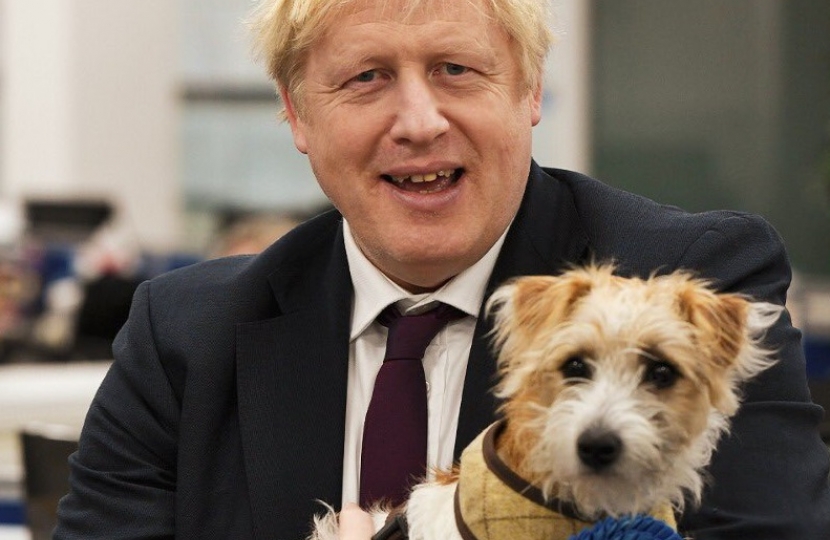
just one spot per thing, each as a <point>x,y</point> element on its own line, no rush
<point>355,524</point>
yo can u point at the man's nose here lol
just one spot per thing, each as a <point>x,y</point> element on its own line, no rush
<point>419,118</point>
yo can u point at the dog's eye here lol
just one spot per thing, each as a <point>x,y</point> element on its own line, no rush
<point>576,368</point>
<point>660,374</point>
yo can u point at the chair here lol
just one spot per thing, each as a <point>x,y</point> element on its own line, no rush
<point>46,450</point>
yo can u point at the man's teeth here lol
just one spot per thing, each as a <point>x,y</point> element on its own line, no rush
<point>420,178</point>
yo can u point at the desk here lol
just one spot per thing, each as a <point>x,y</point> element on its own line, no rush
<point>46,394</point>
<point>14,532</point>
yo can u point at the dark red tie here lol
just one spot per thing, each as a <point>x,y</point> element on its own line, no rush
<point>395,432</point>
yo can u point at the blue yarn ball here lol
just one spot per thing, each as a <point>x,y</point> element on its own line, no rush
<point>628,528</point>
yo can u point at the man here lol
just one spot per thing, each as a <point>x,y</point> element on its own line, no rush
<point>238,391</point>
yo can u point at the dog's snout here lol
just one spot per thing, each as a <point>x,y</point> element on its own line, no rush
<point>598,448</point>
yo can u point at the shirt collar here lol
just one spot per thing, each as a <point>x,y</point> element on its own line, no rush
<point>373,291</point>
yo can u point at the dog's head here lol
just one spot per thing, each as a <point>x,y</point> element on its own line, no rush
<point>617,389</point>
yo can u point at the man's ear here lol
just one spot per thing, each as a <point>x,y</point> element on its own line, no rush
<point>297,126</point>
<point>536,104</point>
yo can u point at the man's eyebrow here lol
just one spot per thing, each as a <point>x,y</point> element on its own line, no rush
<point>354,57</point>
<point>350,64</point>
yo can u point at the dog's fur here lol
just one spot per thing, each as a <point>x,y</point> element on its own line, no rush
<point>616,391</point>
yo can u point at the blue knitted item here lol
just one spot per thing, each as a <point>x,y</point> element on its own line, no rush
<point>628,528</point>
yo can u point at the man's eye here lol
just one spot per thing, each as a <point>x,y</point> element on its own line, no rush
<point>366,76</point>
<point>455,69</point>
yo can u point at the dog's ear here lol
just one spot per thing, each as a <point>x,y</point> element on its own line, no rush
<point>722,335</point>
<point>720,319</point>
<point>529,303</point>
<point>542,301</point>
<point>524,309</point>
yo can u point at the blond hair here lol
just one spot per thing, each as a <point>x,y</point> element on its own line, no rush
<point>284,30</point>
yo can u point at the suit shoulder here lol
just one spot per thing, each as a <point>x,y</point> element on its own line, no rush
<point>239,284</point>
<point>643,233</point>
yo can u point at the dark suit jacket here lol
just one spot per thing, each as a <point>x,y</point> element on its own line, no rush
<point>223,414</point>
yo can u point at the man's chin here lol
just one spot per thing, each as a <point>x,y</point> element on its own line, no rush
<point>424,274</point>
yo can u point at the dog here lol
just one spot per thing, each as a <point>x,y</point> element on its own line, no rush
<point>615,392</point>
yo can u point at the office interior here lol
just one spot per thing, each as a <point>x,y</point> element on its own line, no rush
<point>139,137</point>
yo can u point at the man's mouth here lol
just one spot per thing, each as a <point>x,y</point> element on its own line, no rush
<point>426,183</point>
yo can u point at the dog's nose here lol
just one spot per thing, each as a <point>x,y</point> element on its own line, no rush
<point>598,448</point>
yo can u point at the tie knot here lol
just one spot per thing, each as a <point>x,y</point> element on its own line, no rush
<point>409,335</point>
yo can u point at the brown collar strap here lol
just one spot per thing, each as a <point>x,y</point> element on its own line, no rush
<point>514,481</point>
<point>395,527</point>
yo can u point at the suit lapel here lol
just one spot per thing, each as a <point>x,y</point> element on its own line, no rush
<point>292,369</point>
<point>292,372</point>
<point>544,238</point>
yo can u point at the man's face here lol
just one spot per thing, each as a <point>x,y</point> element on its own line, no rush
<point>418,129</point>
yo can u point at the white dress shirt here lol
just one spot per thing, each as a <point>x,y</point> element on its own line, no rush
<point>445,360</point>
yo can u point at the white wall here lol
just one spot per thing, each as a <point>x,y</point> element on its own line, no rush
<point>563,137</point>
<point>88,107</point>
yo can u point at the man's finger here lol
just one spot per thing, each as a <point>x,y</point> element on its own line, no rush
<point>355,524</point>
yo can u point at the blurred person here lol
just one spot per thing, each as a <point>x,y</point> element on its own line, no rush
<point>237,396</point>
<point>249,235</point>
<point>85,306</point>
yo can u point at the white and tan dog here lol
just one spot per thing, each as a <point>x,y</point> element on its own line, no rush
<point>615,391</point>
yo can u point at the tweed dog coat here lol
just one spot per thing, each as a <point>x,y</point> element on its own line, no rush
<point>493,503</point>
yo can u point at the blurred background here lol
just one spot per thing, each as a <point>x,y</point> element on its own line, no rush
<point>138,137</point>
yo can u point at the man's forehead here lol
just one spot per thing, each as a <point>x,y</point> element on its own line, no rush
<point>403,10</point>
<point>445,19</point>
<point>362,37</point>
